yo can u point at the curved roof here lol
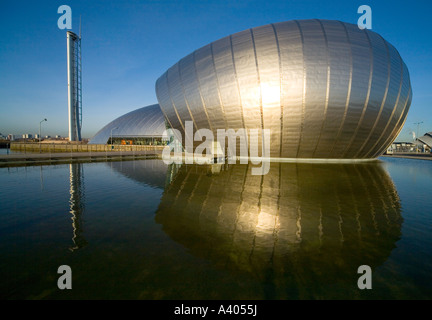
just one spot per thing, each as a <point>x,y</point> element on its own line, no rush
<point>144,122</point>
<point>427,139</point>
<point>325,88</point>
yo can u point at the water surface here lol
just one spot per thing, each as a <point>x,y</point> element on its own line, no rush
<point>145,230</point>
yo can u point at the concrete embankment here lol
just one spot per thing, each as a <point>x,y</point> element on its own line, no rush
<point>418,156</point>
<point>96,153</point>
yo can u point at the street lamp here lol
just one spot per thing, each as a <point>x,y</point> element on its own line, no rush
<point>40,123</point>
<point>418,125</point>
<point>40,137</point>
<point>111,134</point>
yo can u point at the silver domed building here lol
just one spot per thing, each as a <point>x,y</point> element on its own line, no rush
<point>142,126</point>
<point>325,89</point>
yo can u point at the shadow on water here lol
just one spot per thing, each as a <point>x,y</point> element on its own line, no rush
<point>302,230</point>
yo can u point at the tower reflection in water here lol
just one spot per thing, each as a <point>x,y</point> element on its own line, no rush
<point>297,225</point>
<point>76,204</point>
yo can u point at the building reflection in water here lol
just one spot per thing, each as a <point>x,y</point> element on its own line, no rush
<point>76,204</point>
<point>298,223</point>
<point>152,173</point>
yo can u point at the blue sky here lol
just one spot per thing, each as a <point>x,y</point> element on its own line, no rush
<point>127,45</point>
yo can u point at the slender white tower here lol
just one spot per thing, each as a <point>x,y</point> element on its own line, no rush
<point>74,85</point>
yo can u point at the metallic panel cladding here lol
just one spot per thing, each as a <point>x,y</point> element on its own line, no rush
<point>325,89</point>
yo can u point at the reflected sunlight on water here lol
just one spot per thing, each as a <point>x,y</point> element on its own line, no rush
<point>300,222</point>
<point>145,230</point>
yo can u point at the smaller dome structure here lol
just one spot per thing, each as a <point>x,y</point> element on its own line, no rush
<point>142,126</point>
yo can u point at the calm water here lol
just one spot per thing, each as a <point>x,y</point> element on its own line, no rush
<point>144,230</point>
<point>5,151</point>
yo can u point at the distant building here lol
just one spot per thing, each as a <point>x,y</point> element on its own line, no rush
<point>11,137</point>
<point>426,139</point>
<point>404,146</point>
<point>27,136</point>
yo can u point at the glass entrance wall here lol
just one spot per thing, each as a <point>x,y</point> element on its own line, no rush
<point>141,141</point>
